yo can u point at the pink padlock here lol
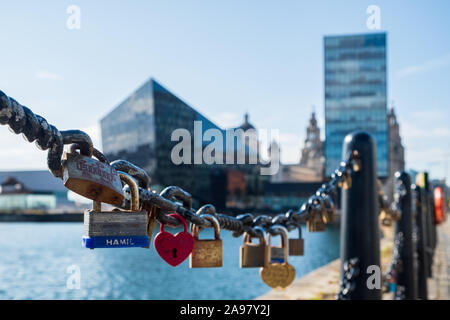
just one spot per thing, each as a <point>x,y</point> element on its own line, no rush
<point>174,249</point>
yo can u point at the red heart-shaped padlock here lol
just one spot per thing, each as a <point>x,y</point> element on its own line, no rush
<point>174,249</point>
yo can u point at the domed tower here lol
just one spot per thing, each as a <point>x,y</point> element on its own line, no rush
<point>313,153</point>
<point>246,125</point>
<point>250,137</point>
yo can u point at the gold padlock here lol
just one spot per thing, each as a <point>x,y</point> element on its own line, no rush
<point>206,253</point>
<point>347,183</point>
<point>91,178</point>
<point>315,222</point>
<point>386,218</point>
<point>297,246</point>
<point>276,274</point>
<point>253,255</point>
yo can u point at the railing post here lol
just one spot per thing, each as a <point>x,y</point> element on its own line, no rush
<point>431,227</point>
<point>360,235</point>
<point>407,275</point>
<point>422,257</point>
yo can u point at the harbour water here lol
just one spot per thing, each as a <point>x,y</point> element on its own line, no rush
<point>41,260</point>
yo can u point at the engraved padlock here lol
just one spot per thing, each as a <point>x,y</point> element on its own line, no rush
<point>315,221</point>
<point>297,245</point>
<point>117,228</point>
<point>91,178</point>
<point>206,253</point>
<point>276,274</point>
<point>252,255</point>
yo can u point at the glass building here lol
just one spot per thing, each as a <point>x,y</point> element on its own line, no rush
<point>139,130</point>
<point>355,94</point>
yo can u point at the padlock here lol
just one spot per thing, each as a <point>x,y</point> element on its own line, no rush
<point>117,228</point>
<point>252,255</point>
<point>297,246</point>
<point>276,274</point>
<point>174,249</point>
<point>386,218</point>
<point>315,222</point>
<point>347,182</point>
<point>91,178</point>
<point>206,253</point>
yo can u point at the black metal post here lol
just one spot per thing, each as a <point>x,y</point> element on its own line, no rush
<point>425,194</point>
<point>432,237</point>
<point>422,257</point>
<point>360,235</point>
<point>407,275</point>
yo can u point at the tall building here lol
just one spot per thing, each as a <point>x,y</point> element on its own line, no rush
<point>355,94</point>
<point>139,130</point>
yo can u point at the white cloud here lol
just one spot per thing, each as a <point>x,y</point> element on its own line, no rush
<point>46,75</point>
<point>427,66</point>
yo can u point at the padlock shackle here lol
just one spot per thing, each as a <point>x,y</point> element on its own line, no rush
<point>284,242</point>
<point>134,190</point>
<point>134,193</point>
<point>261,236</point>
<point>299,228</point>
<point>176,216</point>
<point>215,223</point>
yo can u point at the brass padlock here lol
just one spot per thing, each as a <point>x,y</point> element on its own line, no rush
<point>297,246</point>
<point>315,222</point>
<point>206,253</point>
<point>347,183</point>
<point>253,255</point>
<point>276,274</point>
<point>386,218</point>
<point>91,178</point>
<point>117,228</point>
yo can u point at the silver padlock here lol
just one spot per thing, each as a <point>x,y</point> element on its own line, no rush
<point>117,228</point>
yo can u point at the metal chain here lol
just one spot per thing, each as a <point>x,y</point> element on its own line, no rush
<point>35,128</point>
<point>347,284</point>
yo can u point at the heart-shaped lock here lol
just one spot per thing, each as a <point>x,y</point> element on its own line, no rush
<point>174,249</point>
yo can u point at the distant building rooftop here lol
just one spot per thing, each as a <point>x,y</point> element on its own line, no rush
<point>35,181</point>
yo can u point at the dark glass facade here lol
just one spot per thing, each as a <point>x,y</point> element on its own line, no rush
<point>139,130</point>
<point>355,94</point>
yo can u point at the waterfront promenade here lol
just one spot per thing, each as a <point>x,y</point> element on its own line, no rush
<point>323,283</point>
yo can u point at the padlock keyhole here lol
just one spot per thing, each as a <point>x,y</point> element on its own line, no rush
<point>174,253</point>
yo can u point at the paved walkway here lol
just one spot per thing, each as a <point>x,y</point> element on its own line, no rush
<point>323,283</point>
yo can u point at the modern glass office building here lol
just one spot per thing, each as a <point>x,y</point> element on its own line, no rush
<point>355,94</point>
<point>139,130</point>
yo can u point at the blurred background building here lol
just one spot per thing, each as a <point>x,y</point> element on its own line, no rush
<point>32,190</point>
<point>312,162</point>
<point>139,130</point>
<point>355,94</point>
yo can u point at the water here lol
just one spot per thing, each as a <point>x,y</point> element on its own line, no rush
<point>35,258</point>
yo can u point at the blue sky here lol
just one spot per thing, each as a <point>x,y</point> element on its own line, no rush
<point>224,58</point>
